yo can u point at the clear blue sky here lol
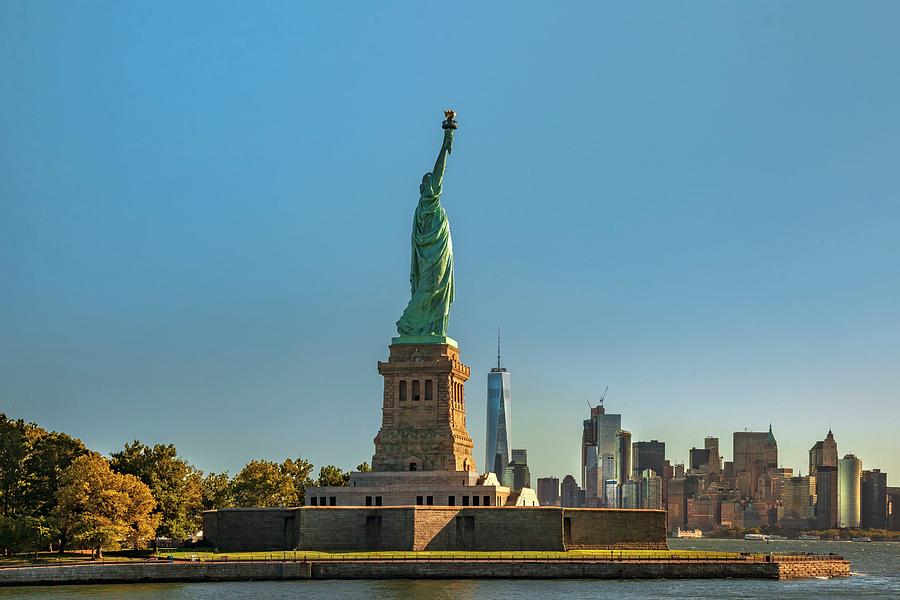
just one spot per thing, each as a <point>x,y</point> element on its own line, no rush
<point>205,213</point>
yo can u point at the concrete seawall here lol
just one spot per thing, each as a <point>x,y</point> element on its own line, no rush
<point>790,568</point>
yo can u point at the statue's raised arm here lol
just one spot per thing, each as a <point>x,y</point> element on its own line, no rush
<point>437,175</point>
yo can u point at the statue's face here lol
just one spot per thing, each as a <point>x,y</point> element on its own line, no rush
<point>425,179</point>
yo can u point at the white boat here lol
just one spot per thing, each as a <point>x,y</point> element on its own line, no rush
<point>861,539</point>
<point>759,537</point>
<point>807,536</point>
<point>687,533</point>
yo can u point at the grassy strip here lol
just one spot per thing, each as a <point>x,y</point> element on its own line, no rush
<point>523,555</point>
<point>55,558</point>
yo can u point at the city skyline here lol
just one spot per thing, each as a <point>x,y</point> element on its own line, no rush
<point>710,232</point>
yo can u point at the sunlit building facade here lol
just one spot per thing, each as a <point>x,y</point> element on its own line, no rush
<point>849,501</point>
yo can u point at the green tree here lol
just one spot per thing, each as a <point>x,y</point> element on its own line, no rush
<point>24,534</point>
<point>217,491</point>
<point>32,461</point>
<point>49,455</point>
<point>264,483</point>
<point>175,484</point>
<point>13,451</point>
<point>299,471</point>
<point>363,467</point>
<point>331,476</point>
<point>98,508</point>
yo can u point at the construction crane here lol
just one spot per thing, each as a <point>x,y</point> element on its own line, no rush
<point>602,398</point>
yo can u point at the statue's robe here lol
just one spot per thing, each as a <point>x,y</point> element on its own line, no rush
<point>431,270</point>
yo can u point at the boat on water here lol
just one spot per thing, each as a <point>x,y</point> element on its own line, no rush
<point>807,536</point>
<point>861,539</point>
<point>764,537</point>
<point>687,533</point>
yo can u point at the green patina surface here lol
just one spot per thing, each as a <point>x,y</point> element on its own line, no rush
<point>431,266</point>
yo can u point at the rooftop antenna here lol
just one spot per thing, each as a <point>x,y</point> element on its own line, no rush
<point>498,347</point>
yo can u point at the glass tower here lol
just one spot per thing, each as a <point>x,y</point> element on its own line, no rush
<point>499,403</point>
<point>849,474</point>
<point>599,444</point>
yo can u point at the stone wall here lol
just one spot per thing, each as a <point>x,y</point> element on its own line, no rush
<point>489,529</point>
<point>429,528</point>
<point>149,571</point>
<point>237,529</point>
<point>598,528</point>
<point>775,568</point>
<point>536,569</point>
<point>435,529</point>
<point>803,567</point>
<point>342,529</point>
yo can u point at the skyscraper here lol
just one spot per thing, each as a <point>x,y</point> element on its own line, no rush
<point>572,495</point>
<point>591,480</point>
<point>893,498</point>
<point>699,459</point>
<point>623,456</point>
<point>598,450</point>
<point>499,403</point>
<point>874,500</point>
<point>755,452</point>
<point>826,497</point>
<point>798,502</point>
<point>648,455</point>
<point>517,474</point>
<point>631,494</point>
<point>651,489</point>
<point>823,453</point>
<point>715,459</point>
<point>548,491</point>
<point>608,427</point>
<point>849,474</point>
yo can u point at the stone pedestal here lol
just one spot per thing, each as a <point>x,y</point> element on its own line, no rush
<point>423,426</point>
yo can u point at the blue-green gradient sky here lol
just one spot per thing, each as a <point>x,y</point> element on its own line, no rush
<point>205,213</point>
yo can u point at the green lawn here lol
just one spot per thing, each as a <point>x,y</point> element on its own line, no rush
<point>55,558</point>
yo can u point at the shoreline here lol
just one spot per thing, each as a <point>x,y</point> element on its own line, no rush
<point>776,567</point>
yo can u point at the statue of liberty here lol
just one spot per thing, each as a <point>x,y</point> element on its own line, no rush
<point>431,268</point>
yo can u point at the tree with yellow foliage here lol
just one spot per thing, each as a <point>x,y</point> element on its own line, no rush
<point>98,508</point>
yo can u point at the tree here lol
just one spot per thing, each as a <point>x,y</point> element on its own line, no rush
<point>299,471</point>
<point>23,534</point>
<point>217,491</point>
<point>363,467</point>
<point>264,483</point>
<point>32,461</point>
<point>98,508</point>
<point>175,484</point>
<point>13,450</point>
<point>49,455</point>
<point>331,476</point>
